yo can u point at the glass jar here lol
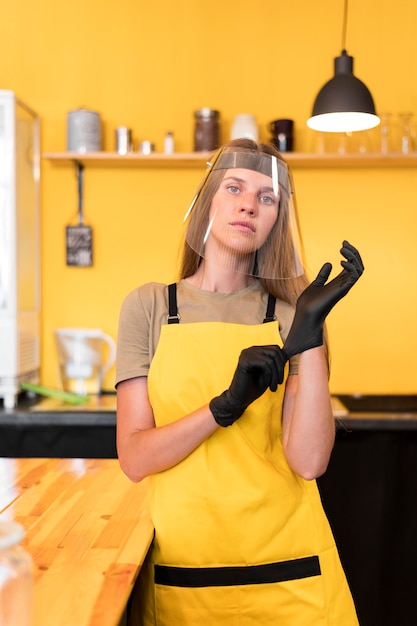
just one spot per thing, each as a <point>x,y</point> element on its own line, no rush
<point>385,130</point>
<point>407,132</point>
<point>206,130</point>
<point>16,577</point>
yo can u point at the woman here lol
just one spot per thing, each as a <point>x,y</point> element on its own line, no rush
<point>231,435</point>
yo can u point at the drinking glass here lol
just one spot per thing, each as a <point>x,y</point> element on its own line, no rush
<point>407,132</point>
<point>386,132</point>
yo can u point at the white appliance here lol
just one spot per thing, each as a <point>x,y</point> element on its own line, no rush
<point>19,246</point>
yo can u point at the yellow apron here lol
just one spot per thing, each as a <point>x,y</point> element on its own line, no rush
<point>233,508</point>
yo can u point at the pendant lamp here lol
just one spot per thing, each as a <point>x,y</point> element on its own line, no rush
<point>344,104</point>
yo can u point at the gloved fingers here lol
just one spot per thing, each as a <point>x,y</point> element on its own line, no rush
<point>252,358</point>
<point>279,365</point>
<point>285,354</point>
<point>275,361</point>
<point>352,255</point>
<point>323,274</point>
<point>353,272</point>
<point>266,361</point>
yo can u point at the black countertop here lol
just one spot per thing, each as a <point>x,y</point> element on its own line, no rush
<point>352,412</point>
<point>98,411</point>
<point>376,412</point>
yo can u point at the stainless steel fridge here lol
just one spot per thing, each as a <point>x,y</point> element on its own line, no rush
<point>19,246</point>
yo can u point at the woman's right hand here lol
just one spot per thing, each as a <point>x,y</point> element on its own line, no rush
<point>259,367</point>
<point>318,299</point>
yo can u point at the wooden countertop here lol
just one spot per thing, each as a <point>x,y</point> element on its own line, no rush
<point>88,530</point>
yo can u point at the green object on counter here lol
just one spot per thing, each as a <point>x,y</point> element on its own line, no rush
<point>65,396</point>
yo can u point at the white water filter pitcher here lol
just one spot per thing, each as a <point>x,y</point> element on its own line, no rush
<point>85,355</point>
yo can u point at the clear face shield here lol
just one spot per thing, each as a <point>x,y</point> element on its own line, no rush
<point>243,217</point>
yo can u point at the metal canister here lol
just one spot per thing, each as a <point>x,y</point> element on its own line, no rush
<point>206,129</point>
<point>83,131</point>
<point>123,140</point>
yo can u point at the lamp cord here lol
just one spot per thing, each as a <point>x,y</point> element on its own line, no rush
<point>344,29</point>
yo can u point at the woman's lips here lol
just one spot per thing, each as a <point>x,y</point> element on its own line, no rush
<point>245,226</point>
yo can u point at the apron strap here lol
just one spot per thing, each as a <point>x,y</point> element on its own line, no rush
<point>270,309</point>
<point>174,317</point>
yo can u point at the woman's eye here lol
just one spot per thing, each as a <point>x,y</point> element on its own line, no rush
<point>233,189</point>
<point>267,199</point>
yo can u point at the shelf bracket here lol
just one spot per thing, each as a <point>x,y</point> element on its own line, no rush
<point>79,168</point>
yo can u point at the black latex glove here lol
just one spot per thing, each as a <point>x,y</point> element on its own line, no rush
<point>318,299</point>
<point>259,367</point>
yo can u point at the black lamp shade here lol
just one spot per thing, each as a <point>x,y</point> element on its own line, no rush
<point>344,103</point>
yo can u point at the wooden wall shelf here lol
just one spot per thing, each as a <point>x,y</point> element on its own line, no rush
<point>199,159</point>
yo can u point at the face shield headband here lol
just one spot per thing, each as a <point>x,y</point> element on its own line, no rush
<point>237,244</point>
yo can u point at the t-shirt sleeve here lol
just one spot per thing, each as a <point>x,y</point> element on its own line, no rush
<point>132,357</point>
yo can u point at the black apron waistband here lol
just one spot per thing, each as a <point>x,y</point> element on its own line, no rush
<point>241,575</point>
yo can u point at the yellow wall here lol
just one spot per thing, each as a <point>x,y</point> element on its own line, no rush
<point>149,66</point>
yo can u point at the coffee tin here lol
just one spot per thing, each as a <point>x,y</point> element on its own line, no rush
<point>83,131</point>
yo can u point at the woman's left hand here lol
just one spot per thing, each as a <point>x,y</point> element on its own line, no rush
<point>318,299</point>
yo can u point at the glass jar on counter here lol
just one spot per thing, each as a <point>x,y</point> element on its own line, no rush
<point>206,130</point>
<point>16,577</point>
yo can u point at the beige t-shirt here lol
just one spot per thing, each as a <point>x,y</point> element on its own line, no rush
<point>145,310</point>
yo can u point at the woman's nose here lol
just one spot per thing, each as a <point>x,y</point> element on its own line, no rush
<point>248,204</point>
